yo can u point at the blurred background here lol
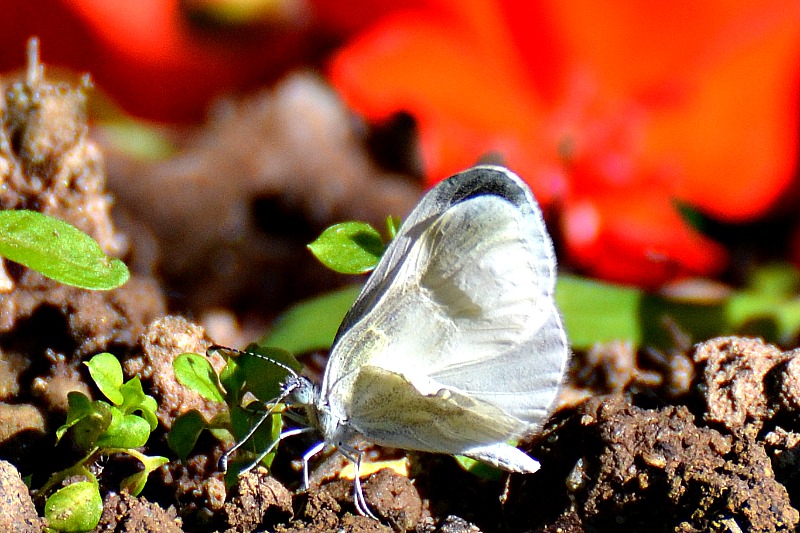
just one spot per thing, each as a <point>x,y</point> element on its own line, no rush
<point>660,137</point>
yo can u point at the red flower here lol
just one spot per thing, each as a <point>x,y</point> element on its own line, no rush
<point>158,61</point>
<point>614,112</point>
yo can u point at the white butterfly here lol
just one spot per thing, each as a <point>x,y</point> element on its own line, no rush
<point>454,344</point>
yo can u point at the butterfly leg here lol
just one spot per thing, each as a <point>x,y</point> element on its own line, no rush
<point>307,457</point>
<point>223,462</point>
<point>283,435</point>
<point>359,501</point>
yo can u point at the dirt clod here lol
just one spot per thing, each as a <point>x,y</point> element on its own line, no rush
<point>450,524</point>
<point>735,374</point>
<point>18,418</point>
<point>123,513</point>
<point>320,512</point>
<point>393,498</point>
<point>655,470</point>
<point>257,501</point>
<point>164,340</point>
<point>789,383</point>
<point>19,514</point>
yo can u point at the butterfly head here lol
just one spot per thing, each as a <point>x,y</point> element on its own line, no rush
<point>299,391</point>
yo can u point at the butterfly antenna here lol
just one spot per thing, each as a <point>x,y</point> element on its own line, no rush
<point>219,347</point>
<point>223,461</point>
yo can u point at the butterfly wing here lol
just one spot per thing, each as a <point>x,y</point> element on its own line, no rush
<point>454,344</point>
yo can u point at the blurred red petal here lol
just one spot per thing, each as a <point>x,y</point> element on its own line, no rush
<point>533,29</point>
<point>720,81</point>
<point>636,237</point>
<point>423,64</point>
<point>732,148</point>
<point>156,62</point>
<point>432,67</point>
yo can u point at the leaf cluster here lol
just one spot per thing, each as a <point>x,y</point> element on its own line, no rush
<point>99,428</point>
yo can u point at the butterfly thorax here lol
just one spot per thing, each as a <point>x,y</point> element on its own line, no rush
<point>333,425</point>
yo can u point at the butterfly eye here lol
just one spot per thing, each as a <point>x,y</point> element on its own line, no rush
<point>299,391</point>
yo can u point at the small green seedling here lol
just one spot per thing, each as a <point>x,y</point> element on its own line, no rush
<point>58,251</point>
<point>248,385</point>
<point>352,247</point>
<point>349,247</point>
<point>99,428</point>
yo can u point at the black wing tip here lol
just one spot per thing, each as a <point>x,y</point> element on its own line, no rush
<point>488,179</point>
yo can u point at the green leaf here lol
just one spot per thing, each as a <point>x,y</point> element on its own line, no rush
<point>87,419</point>
<point>184,433</point>
<point>136,401</point>
<point>232,378</point>
<point>311,324</point>
<point>762,316</point>
<point>262,376</point>
<point>349,247</point>
<point>195,371</point>
<point>392,225</point>
<point>598,312</point>
<point>242,420</point>
<point>268,435</point>
<point>133,395</point>
<point>125,431</point>
<point>136,482</point>
<point>477,468</point>
<point>222,435</point>
<point>149,409</point>
<point>78,407</point>
<point>768,307</point>
<point>778,280</point>
<point>153,462</point>
<point>222,422</point>
<point>58,250</point>
<point>107,374</point>
<point>76,507</point>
